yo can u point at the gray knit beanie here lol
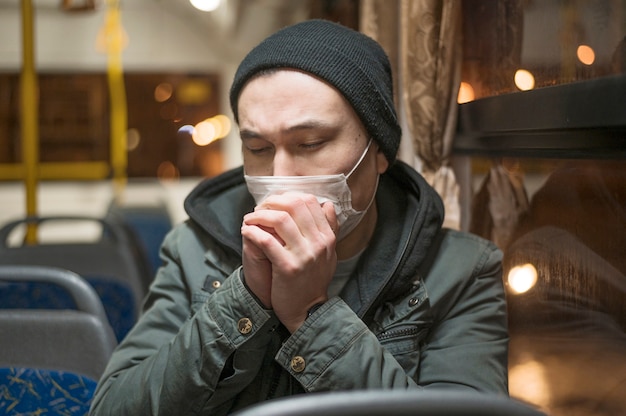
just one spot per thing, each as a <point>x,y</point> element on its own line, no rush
<point>348,60</point>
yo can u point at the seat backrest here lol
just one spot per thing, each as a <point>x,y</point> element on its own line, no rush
<point>392,402</point>
<point>32,391</point>
<point>82,294</point>
<point>150,223</point>
<point>79,340</point>
<point>110,259</point>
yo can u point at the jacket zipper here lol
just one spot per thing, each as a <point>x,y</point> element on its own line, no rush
<point>398,333</point>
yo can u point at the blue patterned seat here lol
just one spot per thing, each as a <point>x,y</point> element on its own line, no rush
<point>30,391</point>
<point>111,265</point>
<point>117,299</point>
<point>78,339</point>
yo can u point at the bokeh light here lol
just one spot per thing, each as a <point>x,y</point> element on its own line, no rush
<point>167,171</point>
<point>204,133</point>
<point>208,130</point>
<point>133,138</point>
<point>522,278</point>
<point>528,381</point>
<point>205,5</point>
<point>186,130</point>
<point>466,93</point>
<point>163,92</point>
<point>524,80</point>
<point>585,54</point>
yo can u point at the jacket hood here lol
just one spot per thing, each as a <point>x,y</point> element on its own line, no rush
<point>217,205</point>
<point>410,215</point>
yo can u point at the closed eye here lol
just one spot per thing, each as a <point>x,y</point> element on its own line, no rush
<point>254,144</point>
<point>258,150</point>
<point>311,146</point>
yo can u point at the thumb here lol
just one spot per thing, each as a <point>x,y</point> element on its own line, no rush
<point>329,211</point>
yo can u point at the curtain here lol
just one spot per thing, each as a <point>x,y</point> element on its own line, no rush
<point>500,203</point>
<point>425,51</point>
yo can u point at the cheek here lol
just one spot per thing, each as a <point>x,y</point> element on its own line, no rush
<point>255,166</point>
<point>381,162</point>
<point>363,186</point>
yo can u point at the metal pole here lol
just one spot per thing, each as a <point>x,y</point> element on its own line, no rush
<point>29,117</point>
<point>118,107</point>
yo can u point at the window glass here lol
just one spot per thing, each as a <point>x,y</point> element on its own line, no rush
<point>565,277</point>
<point>548,186</point>
<point>173,120</point>
<point>515,45</point>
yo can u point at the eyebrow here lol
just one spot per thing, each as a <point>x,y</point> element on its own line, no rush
<point>303,126</point>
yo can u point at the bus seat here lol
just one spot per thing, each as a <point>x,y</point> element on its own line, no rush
<point>31,391</point>
<point>432,402</point>
<point>149,223</point>
<point>79,340</point>
<point>109,264</point>
<point>117,299</point>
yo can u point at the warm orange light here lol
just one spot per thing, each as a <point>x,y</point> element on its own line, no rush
<point>133,138</point>
<point>163,92</point>
<point>524,80</point>
<point>522,278</point>
<point>167,171</point>
<point>466,93</point>
<point>528,380</point>
<point>224,125</point>
<point>210,129</point>
<point>203,133</point>
<point>585,54</point>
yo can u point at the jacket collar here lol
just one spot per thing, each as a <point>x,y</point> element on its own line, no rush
<point>218,205</point>
<point>410,214</point>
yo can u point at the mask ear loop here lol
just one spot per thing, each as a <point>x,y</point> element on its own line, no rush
<point>374,194</point>
<point>377,176</point>
<point>360,159</point>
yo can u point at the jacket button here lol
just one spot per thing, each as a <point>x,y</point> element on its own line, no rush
<point>244,325</point>
<point>216,284</point>
<point>413,301</point>
<point>298,364</point>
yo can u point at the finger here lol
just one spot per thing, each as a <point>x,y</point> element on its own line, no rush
<point>331,217</point>
<point>278,224</point>
<point>304,209</point>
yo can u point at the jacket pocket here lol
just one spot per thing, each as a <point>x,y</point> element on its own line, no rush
<point>405,345</point>
<point>402,340</point>
<point>402,325</point>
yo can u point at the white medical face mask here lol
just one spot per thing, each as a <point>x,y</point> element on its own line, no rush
<point>333,188</point>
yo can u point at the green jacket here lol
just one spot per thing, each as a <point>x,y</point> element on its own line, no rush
<point>425,308</point>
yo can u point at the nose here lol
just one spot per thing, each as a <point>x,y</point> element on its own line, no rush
<point>284,164</point>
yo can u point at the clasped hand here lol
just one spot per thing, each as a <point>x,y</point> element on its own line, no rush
<point>289,254</point>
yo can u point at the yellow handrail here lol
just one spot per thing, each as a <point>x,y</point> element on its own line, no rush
<point>29,117</point>
<point>30,169</point>
<point>119,123</point>
<point>58,170</point>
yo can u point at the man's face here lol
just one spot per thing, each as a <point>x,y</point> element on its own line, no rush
<point>293,124</point>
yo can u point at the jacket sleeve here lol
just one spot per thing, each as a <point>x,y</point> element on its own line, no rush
<point>466,346</point>
<point>335,350</point>
<point>468,343</point>
<point>178,362</point>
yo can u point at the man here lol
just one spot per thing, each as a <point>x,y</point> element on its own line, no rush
<point>338,277</point>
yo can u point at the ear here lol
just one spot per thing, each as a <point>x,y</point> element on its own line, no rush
<point>381,161</point>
